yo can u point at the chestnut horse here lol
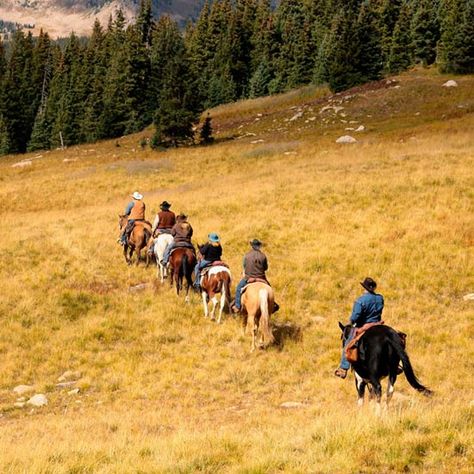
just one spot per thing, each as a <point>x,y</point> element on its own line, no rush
<point>137,240</point>
<point>182,262</point>
<point>216,280</point>
<point>257,307</point>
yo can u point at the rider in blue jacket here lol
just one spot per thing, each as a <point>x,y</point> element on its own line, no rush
<point>367,309</point>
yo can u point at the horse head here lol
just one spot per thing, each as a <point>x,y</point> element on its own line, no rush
<point>345,331</point>
<point>122,221</point>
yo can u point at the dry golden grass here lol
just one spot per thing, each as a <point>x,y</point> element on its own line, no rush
<point>163,390</point>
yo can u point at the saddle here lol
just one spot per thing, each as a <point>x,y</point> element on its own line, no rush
<point>217,263</point>
<point>254,280</point>
<point>352,349</point>
<point>181,245</point>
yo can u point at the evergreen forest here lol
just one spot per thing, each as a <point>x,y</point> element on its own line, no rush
<point>125,77</point>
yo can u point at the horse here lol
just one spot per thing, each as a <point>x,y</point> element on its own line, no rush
<point>216,280</point>
<point>182,263</point>
<point>380,350</point>
<point>137,240</point>
<point>257,307</point>
<point>159,246</point>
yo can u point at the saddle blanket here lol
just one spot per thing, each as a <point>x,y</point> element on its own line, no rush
<point>214,268</point>
<point>254,280</point>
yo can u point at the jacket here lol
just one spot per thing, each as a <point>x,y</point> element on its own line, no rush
<point>211,253</point>
<point>166,220</point>
<point>182,232</point>
<point>255,264</point>
<point>138,211</point>
<point>367,309</point>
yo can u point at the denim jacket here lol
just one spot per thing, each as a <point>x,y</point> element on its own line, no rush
<point>367,309</point>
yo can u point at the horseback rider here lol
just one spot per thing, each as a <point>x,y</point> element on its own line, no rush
<point>164,220</point>
<point>163,223</point>
<point>255,265</point>
<point>367,309</point>
<point>182,233</point>
<point>135,211</point>
<point>211,252</point>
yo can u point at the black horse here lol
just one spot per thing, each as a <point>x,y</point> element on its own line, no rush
<point>380,351</point>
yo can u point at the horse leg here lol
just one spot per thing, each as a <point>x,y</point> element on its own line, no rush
<point>130,254</point>
<point>221,309</point>
<point>391,382</point>
<point>378,395</point>
<point>360,386</point>
<point>204,302</point>
<point>254,337</point>
<point>139,255</point>
<point>125,251</point>
<point>214,306</point>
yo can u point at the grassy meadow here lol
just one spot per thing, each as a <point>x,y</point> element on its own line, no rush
<point>161,390</point>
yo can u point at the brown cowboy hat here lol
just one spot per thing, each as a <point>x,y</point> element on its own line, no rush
<point>182,217</point>
<point>165,205</point>
<point>369,284</point>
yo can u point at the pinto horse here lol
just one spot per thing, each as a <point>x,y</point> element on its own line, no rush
<point>137,240</point>
<point>380,350</point>
<point>216,280</point>
<point>257,307</point>
<point>182,263</point>
<point>159,246</point>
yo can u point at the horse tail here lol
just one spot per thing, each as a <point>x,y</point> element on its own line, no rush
<point>184,265</point>
<point>265,317</point>
<point>407,368</point>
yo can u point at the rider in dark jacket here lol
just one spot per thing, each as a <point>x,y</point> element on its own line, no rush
<point>211,252</point>
<point>367,309</point>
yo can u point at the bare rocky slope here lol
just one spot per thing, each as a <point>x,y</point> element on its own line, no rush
<point>60,17</point>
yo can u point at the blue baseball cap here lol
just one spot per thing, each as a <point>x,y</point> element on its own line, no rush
<point>213,237</point>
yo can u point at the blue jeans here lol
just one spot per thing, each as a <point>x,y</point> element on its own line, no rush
<point>238,292</point>
<point>126,231</point>
<point>167,253</point>
<point>344,362</point>
<point>197,270</point>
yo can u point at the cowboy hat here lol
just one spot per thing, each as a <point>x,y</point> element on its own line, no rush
<point>256,243</point>
<point>165,205</point>
<point>182,217</point>
<point>213,237</point>
<point>136,195</point>
<point>369,284</point>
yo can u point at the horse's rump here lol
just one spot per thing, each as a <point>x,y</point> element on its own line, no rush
<point>251,281</point>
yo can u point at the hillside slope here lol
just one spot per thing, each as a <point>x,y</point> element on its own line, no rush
<point>163,390</point>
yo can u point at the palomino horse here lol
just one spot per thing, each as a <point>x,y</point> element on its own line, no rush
<point>257,307</point>
<point>216,280</point>
<point>380,350</point>
<point>137,240</point>
<point>159,246</point>
<point>182,263</point>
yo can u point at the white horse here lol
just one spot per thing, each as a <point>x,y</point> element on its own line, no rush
<point>159,246</point>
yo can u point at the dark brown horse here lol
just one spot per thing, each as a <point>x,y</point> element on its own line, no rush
<point>182,262</point>
<point>137,240</point>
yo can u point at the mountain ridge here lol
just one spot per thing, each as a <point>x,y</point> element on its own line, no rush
<point>60,17</point>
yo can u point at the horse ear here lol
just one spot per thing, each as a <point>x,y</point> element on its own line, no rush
<point>341,326</point>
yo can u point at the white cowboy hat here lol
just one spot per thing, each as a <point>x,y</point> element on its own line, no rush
<point>137,195</point>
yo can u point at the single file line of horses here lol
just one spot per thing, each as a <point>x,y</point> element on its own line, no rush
<point>373,350</point>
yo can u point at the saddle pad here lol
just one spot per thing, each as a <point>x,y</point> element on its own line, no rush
<point>250,281</point>
<point>213,270</point>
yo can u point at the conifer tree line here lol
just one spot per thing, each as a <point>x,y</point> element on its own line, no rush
<point>126,77</point>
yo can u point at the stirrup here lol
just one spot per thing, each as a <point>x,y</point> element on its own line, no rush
<point>340,372</point>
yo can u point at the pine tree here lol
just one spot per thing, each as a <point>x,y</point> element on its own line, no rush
<point>4,137</point>
<point>401,54</point>
<point>456,46</point>
<point>205,134</point>
<point>425,30</point>
<point>172,80</point>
